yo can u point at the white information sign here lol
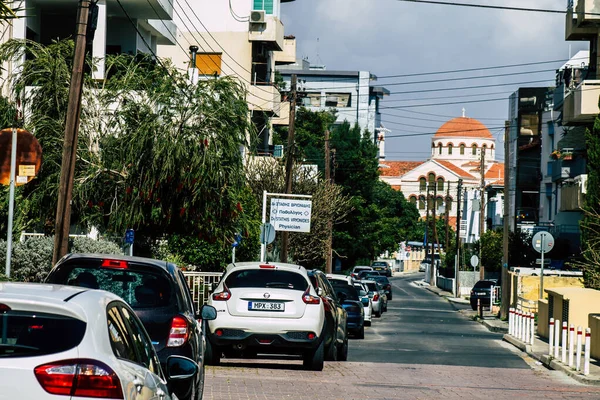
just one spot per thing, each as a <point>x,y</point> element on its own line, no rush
<point>290,215</point>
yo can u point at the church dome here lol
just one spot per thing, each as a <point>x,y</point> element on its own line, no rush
<point>463,127</point>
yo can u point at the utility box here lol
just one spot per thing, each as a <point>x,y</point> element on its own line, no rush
<point>573,305</point>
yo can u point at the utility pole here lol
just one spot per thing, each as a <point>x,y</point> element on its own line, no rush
<point>457,263</point>
<point>435,233</point>
<point>328,269</point>
<point>427,224</point>
<point>505,284</point>
<point>447,217</point>
<point>481,213</point>
<point>67,172</point>
<point>289,162</point>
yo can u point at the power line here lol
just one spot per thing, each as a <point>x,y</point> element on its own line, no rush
<point>540,10</point>
<point>444,104</point>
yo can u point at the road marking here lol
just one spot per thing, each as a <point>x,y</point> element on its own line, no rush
<point>421,309</point>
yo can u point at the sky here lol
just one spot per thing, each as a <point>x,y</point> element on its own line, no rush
<point>393,37</point>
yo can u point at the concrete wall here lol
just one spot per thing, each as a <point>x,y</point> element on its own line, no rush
<point>529,286</point>
<point>543,320</point>
<point>581,302</point>
<point>594,325</point>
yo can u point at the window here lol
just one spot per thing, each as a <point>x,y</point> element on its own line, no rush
<point>421,202</point>
<point>413,200</point>
<point>439,148</point>
<point>450,149</point>
<point>259,278</point>
<point>266,5</point>
<point>529,125</point>
<point>431,178</point>
<point>120,339</point>
<point>337,100</point>
<point>474,149</point>
<point>141,342</point>
<point>208,63</point>
<point>484,148</point>
<point>422,184</point>
<point>439,203</point>
<point>440,183</point>
<point>462,149</point>
<point>449,203</point>
<point>312,100</point>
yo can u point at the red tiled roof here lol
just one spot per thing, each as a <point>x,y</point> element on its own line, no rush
<point>397,187</point>
<point>464,127</point>
<point>458,171</point>
<point>397,168</point>
<point>496,171</point>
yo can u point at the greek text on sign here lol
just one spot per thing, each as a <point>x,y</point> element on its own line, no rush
<point>290,215</point>
<point>26,170</point>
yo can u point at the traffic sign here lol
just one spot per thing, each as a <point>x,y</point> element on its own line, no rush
<point>290,215</point>
<point>474,261</point>
<point>267,233</point>
<point>543,242</point>
<point>129,236</point>
<point>29,156</point>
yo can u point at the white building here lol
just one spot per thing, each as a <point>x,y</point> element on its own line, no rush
<point>457,150</point>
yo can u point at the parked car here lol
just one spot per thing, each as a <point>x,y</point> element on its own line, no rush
<point>348,296</point>
<point>366,274</point>
<point>385,283</point>
<point>382,266</point>
<point>158,293</point>
<point>378,297</point>
<point>339,277</point>
<point>71,342</point>
<point>482,292</point>
<point>356,270</point>
<point>268,308</point>
<point>366,301</point>
<point>336,316</point>
<point>427,261</point>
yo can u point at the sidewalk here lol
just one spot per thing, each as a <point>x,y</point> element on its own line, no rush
<point>539,350</point>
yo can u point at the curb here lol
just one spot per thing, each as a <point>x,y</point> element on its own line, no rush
<point>551,362</point>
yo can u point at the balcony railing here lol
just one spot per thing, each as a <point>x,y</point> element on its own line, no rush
<point>269,32</point>
<point>567,169</point>
<point>581,20</point>
<point>571,198</point>
<point>264,98</point>
<point>581,105</point>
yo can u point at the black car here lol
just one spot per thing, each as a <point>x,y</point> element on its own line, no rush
<point>382,267</point>
<point>336,340</point>
<point>482,292</point>
<point>365,274</point>
<point>158,293</point>
<point>348,295</point>
<point>385,283</point>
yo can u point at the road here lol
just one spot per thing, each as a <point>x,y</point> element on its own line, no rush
<point>422,348</point>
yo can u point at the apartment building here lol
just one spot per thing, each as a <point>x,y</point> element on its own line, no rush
<point>239,38</point>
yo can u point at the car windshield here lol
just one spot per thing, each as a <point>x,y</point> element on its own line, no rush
<point>27,334</point>
<point>266,278</point>
<point>349,291</point>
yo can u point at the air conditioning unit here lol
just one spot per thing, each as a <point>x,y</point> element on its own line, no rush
<point>257,16</point>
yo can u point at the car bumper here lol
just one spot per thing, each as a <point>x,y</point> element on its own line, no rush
<point>355,321</point>
<point>283,343</point>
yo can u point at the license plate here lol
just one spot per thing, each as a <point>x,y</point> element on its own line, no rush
<point>482,293</point>
<point>265,306</point>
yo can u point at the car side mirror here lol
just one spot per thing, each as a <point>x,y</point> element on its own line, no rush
<point>180,368</point>
<point>319,292</point>
<point>207,312</point>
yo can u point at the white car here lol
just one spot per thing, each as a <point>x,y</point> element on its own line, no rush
<point>267,308</point>
<point>359,268</point>
<point>71,342</point>
<point>366,301</point>
<point>339,277</point>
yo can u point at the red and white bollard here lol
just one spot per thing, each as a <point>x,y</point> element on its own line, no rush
<point>511,316</point>
<point>526,330</point>
<point>532,325</point>
<point>520,324</point>
<point>556,338</point>
<point>586,362</point>
<point>564,343</point>
<point>571,343</point>
<point>550,336</point>
<point>578,350</point>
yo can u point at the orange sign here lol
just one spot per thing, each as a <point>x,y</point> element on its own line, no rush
<point>29,156</point>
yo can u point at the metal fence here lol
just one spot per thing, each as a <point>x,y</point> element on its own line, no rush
<point>200,285</point>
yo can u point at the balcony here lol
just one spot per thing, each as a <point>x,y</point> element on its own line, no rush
<point>581,105</point>
<point>288,54</point>
<point>567,169</point>
<point>264,98</point>
<point>582,22</point>
<point>145,9</point>
<point>269,32</point>
<point>571,197</point>
<point>284,115</point>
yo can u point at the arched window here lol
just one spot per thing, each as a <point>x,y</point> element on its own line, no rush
<point>462,149</point>
<point>450,148</point>
<point>439,203</point>
<point>413,200</point>
<point>474,149</point>
<point>422,184</point>
<point>431,179</point>
<point>484,148</point>
<point>449,203</point>
<point>439,148</point>
<point>440,184</point>
<point>421,202</point>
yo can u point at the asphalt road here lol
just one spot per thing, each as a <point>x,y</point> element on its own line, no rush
<point>423,328</point>
<point>422,348</point>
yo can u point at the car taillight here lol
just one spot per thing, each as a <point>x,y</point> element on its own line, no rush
<point>4,308</point>
<point>309,298</point>
<point>222,296</point>
<point>79,378</point>
<point>267,266</point>
<point>179,332</point>
<point>376,297</point>
<point>116,264</point>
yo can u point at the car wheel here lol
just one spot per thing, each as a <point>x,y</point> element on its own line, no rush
<point>332,352</point>
<point>343,351</point>
<point>474,307</point>
<point>212,355</point>
<point>200,388</point>
<point>377,314</point>
<point>313,360</point>
<point>385,308</point>
<point>361,332</point>
<point>390,296</point>
<point>367,323</point>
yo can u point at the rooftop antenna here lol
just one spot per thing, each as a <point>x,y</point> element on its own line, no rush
<point>318,56</point>
<point>463,110</point>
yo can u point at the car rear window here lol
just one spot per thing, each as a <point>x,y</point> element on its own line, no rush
<point>484,284</point>
<point>380,279</point>
<point>371,286</point>
<point>29,334</point>
<point>379,264</point>
<point>350,292</point>
<point>141,289</point>
<point>266,278</point>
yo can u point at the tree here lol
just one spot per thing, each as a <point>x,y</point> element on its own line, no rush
<point>491,250</point>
